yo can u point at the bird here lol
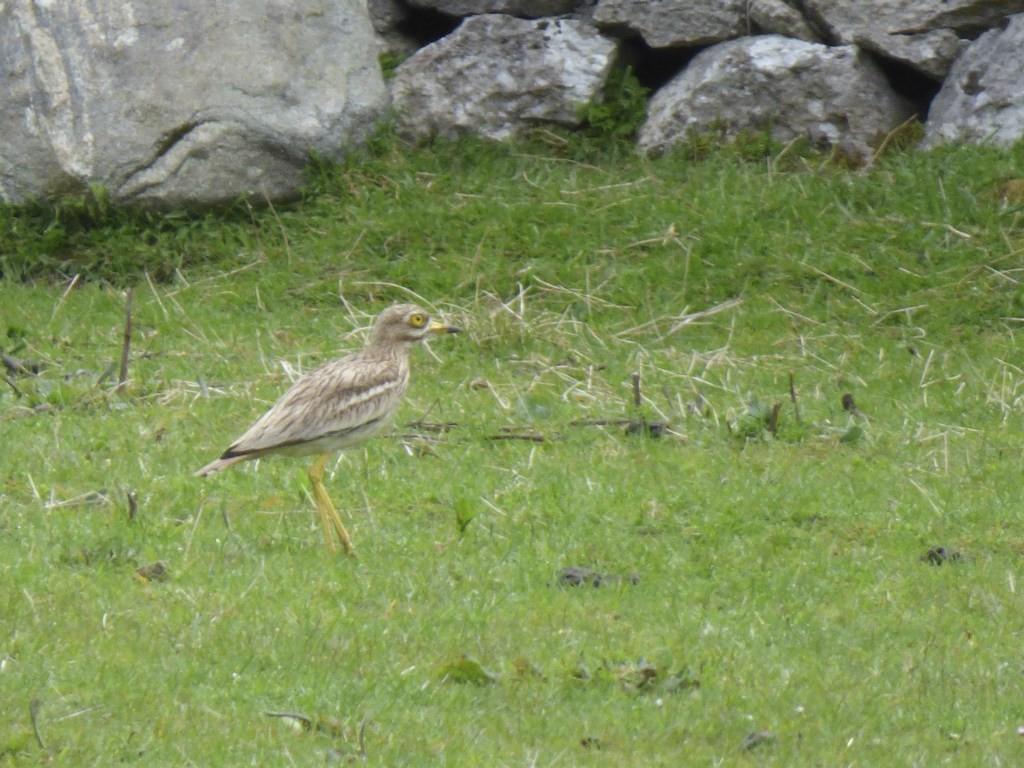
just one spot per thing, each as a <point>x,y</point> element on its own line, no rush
<point>338,405</point>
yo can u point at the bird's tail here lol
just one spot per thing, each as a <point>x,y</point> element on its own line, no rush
<point>218,464</point>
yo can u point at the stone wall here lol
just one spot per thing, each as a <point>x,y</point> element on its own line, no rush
<point>843,73</point>
<point>195,103</point>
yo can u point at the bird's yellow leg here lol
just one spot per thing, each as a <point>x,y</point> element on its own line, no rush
<point>325,508</point>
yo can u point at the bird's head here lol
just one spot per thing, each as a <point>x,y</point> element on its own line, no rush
<point>406,324</point>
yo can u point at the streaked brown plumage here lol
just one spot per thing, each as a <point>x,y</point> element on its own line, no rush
<point>338,405</point>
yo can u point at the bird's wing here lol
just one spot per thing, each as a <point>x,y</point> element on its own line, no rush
<point>336,398</point>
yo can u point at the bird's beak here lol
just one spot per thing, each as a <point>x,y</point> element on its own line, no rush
<point>439,327</point>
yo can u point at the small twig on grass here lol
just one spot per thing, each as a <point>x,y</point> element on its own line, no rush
<point>82,500</point>
<point>345,259</point>
<point>787,149</point>
<point>926,494</point>
<point>156,295</point>
<point>927,366</point>
<point>106,373</point>
<point>757,738</point>
<point>192,532</point>
<point>694,316</point>
<point>655,428</point>
<point>507,433</point>
<point>395,286</point>
<point>33,713</point>
<point>432,426</point>
<point>362,741</point>
<point>208,279</point>
<point>681,320</point>
<point>792,313</point>
<point>21,368</point>
<point>901,128</point>
<point>586,297</point>
<point>133,503</point>
<point>670,236</point>
<point>851,407</point>
<point>792,396</point>
<point>12,385</point>
<point>640,425</point>
<point>772,422</point>
<point>601,422</point>
<point>281,228</point>
<point>126,344</point>
<point>830,278</point>
<point>418,443</point>
<point>64,296</point>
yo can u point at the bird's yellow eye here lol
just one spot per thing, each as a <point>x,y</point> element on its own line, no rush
<point>417,320</point>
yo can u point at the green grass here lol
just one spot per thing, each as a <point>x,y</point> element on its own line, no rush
<point>781,582</point>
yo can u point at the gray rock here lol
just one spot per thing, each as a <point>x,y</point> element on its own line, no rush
<point>845,19</point>
<point>904,29</point>
<point>530,9</point>
<point>181,103</point>
<point>496,75</point>
<point>387,17</point>
<point>982,99</point>
<point>930,53</point>
<point>834,96</point>
<point>675,23</point>
<point>780,18</point>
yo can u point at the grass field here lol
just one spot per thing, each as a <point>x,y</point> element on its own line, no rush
<point>763,587</point>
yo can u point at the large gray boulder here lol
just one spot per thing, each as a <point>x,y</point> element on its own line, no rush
<point>844,19</point>
<point>925,34</point>
<point>982,99</point>
<point>776,17</point>
<point>496,75</point>
<point>834,96</point>
<point>674,23</point>
<point>531,9</point>
<point>188,102</point>
<point>930,53</point>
